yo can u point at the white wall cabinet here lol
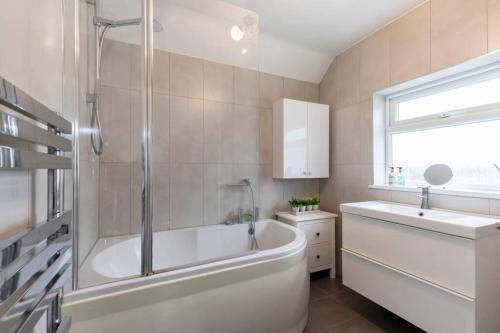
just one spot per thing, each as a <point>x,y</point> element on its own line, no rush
<point>300,139</point>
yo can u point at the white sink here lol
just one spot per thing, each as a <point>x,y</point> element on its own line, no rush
<point>453,223</point>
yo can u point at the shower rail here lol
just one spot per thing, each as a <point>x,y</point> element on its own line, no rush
<point>36,262</point>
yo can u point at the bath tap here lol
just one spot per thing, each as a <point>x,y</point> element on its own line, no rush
<point>254,213</point>
<point>425,198</point>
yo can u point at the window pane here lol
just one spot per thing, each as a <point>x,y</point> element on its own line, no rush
<point>470,150</point>
<point>481,93</point>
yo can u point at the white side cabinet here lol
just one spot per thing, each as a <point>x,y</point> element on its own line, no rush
<point>300,139</point>
<point>320,233</point>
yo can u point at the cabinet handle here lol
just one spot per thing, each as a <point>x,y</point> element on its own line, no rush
<point>318,256</point>
<point>317,234</point>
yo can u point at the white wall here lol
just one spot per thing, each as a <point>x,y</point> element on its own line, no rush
<point>31,57</point>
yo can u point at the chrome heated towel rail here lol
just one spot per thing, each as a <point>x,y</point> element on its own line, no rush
<point>35,263</point>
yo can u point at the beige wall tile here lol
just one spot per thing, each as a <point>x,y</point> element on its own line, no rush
<point>327,86</point>
<point>218,83</point>
<point>294,89</point>
<point>374,64</point>
<point>366,131</point>
<point>136,68</point>
<point>348,179</point>
<point>328,195</point>
<point>186,76</point>
<point>160,128</point>
<point>348,77</point>
<point>271,193</point>
<point>458,31</point>
<point>161,72</point>
<point>266,136</point>
<point>136,125</point>
<point>217,197</point>
<point>246,134</point>
<point>493,25</point>
<point>186,152</point>
<point>271,89</point>
<point>246,87</point>
<point>311,92</point>
<point>116,124</point>
<point>410,45</point>
<point>242,196</point>
<point>218,132</point>
<point>186,201</point>
<point>186,116</point>
<point>301,188</point>
<point>114,199</point>
<point>115,64</point>
<point>347,137</point>
<point>161,196</point>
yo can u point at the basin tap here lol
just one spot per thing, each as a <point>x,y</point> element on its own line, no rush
<point>425,197</point>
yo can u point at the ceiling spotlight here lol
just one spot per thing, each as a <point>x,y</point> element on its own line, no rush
<point>236,33</point>
<point>244,51</point>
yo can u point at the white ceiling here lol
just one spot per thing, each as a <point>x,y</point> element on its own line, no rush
<point>328,26</point>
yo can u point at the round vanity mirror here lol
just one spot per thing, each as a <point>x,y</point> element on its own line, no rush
<point>438,174</point>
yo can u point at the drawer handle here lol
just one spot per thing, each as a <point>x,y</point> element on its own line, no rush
<point>317,234</point>
<point>318,256</point>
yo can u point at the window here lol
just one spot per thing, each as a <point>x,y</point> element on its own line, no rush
<point>456,122</point>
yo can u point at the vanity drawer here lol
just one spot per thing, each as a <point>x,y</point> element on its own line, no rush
<point>445,260</point>
<point>431,308</point>
<point>316,233</point>
<point>318,256</point>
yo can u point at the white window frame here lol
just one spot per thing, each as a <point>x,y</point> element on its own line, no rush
<point>463,116</point>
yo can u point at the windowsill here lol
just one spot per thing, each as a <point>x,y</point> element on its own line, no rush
<point>460,193</point>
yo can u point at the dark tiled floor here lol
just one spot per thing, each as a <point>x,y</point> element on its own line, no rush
<point>334,308</point>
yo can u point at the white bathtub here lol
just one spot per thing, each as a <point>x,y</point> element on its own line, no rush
<point>229,288</point>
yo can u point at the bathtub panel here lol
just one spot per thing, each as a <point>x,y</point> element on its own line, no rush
<point>240,300</point>
<point>240,294</point>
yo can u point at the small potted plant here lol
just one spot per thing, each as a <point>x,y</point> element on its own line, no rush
<point>315,203</point>
<point>303,205</point>
<point>295,204</point>
<point>308,203</point>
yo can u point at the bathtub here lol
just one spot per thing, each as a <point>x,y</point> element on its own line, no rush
<point>210,281</point>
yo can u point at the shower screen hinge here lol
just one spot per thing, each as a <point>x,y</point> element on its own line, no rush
<point>91,2</point>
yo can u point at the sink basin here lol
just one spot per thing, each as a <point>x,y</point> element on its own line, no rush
<point>453,223</point>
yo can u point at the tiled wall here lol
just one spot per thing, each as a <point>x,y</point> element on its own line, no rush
<point>438,34</point>
<point>212,125</point>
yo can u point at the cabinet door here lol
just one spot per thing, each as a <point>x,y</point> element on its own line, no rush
<point>295,137</point>
<point>318,121</point>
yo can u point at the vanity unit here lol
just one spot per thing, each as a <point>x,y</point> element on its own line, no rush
<point>319,228</point>
<point>437,269</point>
<point>300,139</point>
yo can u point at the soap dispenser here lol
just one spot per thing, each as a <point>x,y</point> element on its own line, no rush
<point>400,177</point>
<point>392,177</point>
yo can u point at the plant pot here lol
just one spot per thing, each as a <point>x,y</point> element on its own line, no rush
<point>309,207</point>
<point>302,208</point>
<point>315,207</point>
<point>295,209</point>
